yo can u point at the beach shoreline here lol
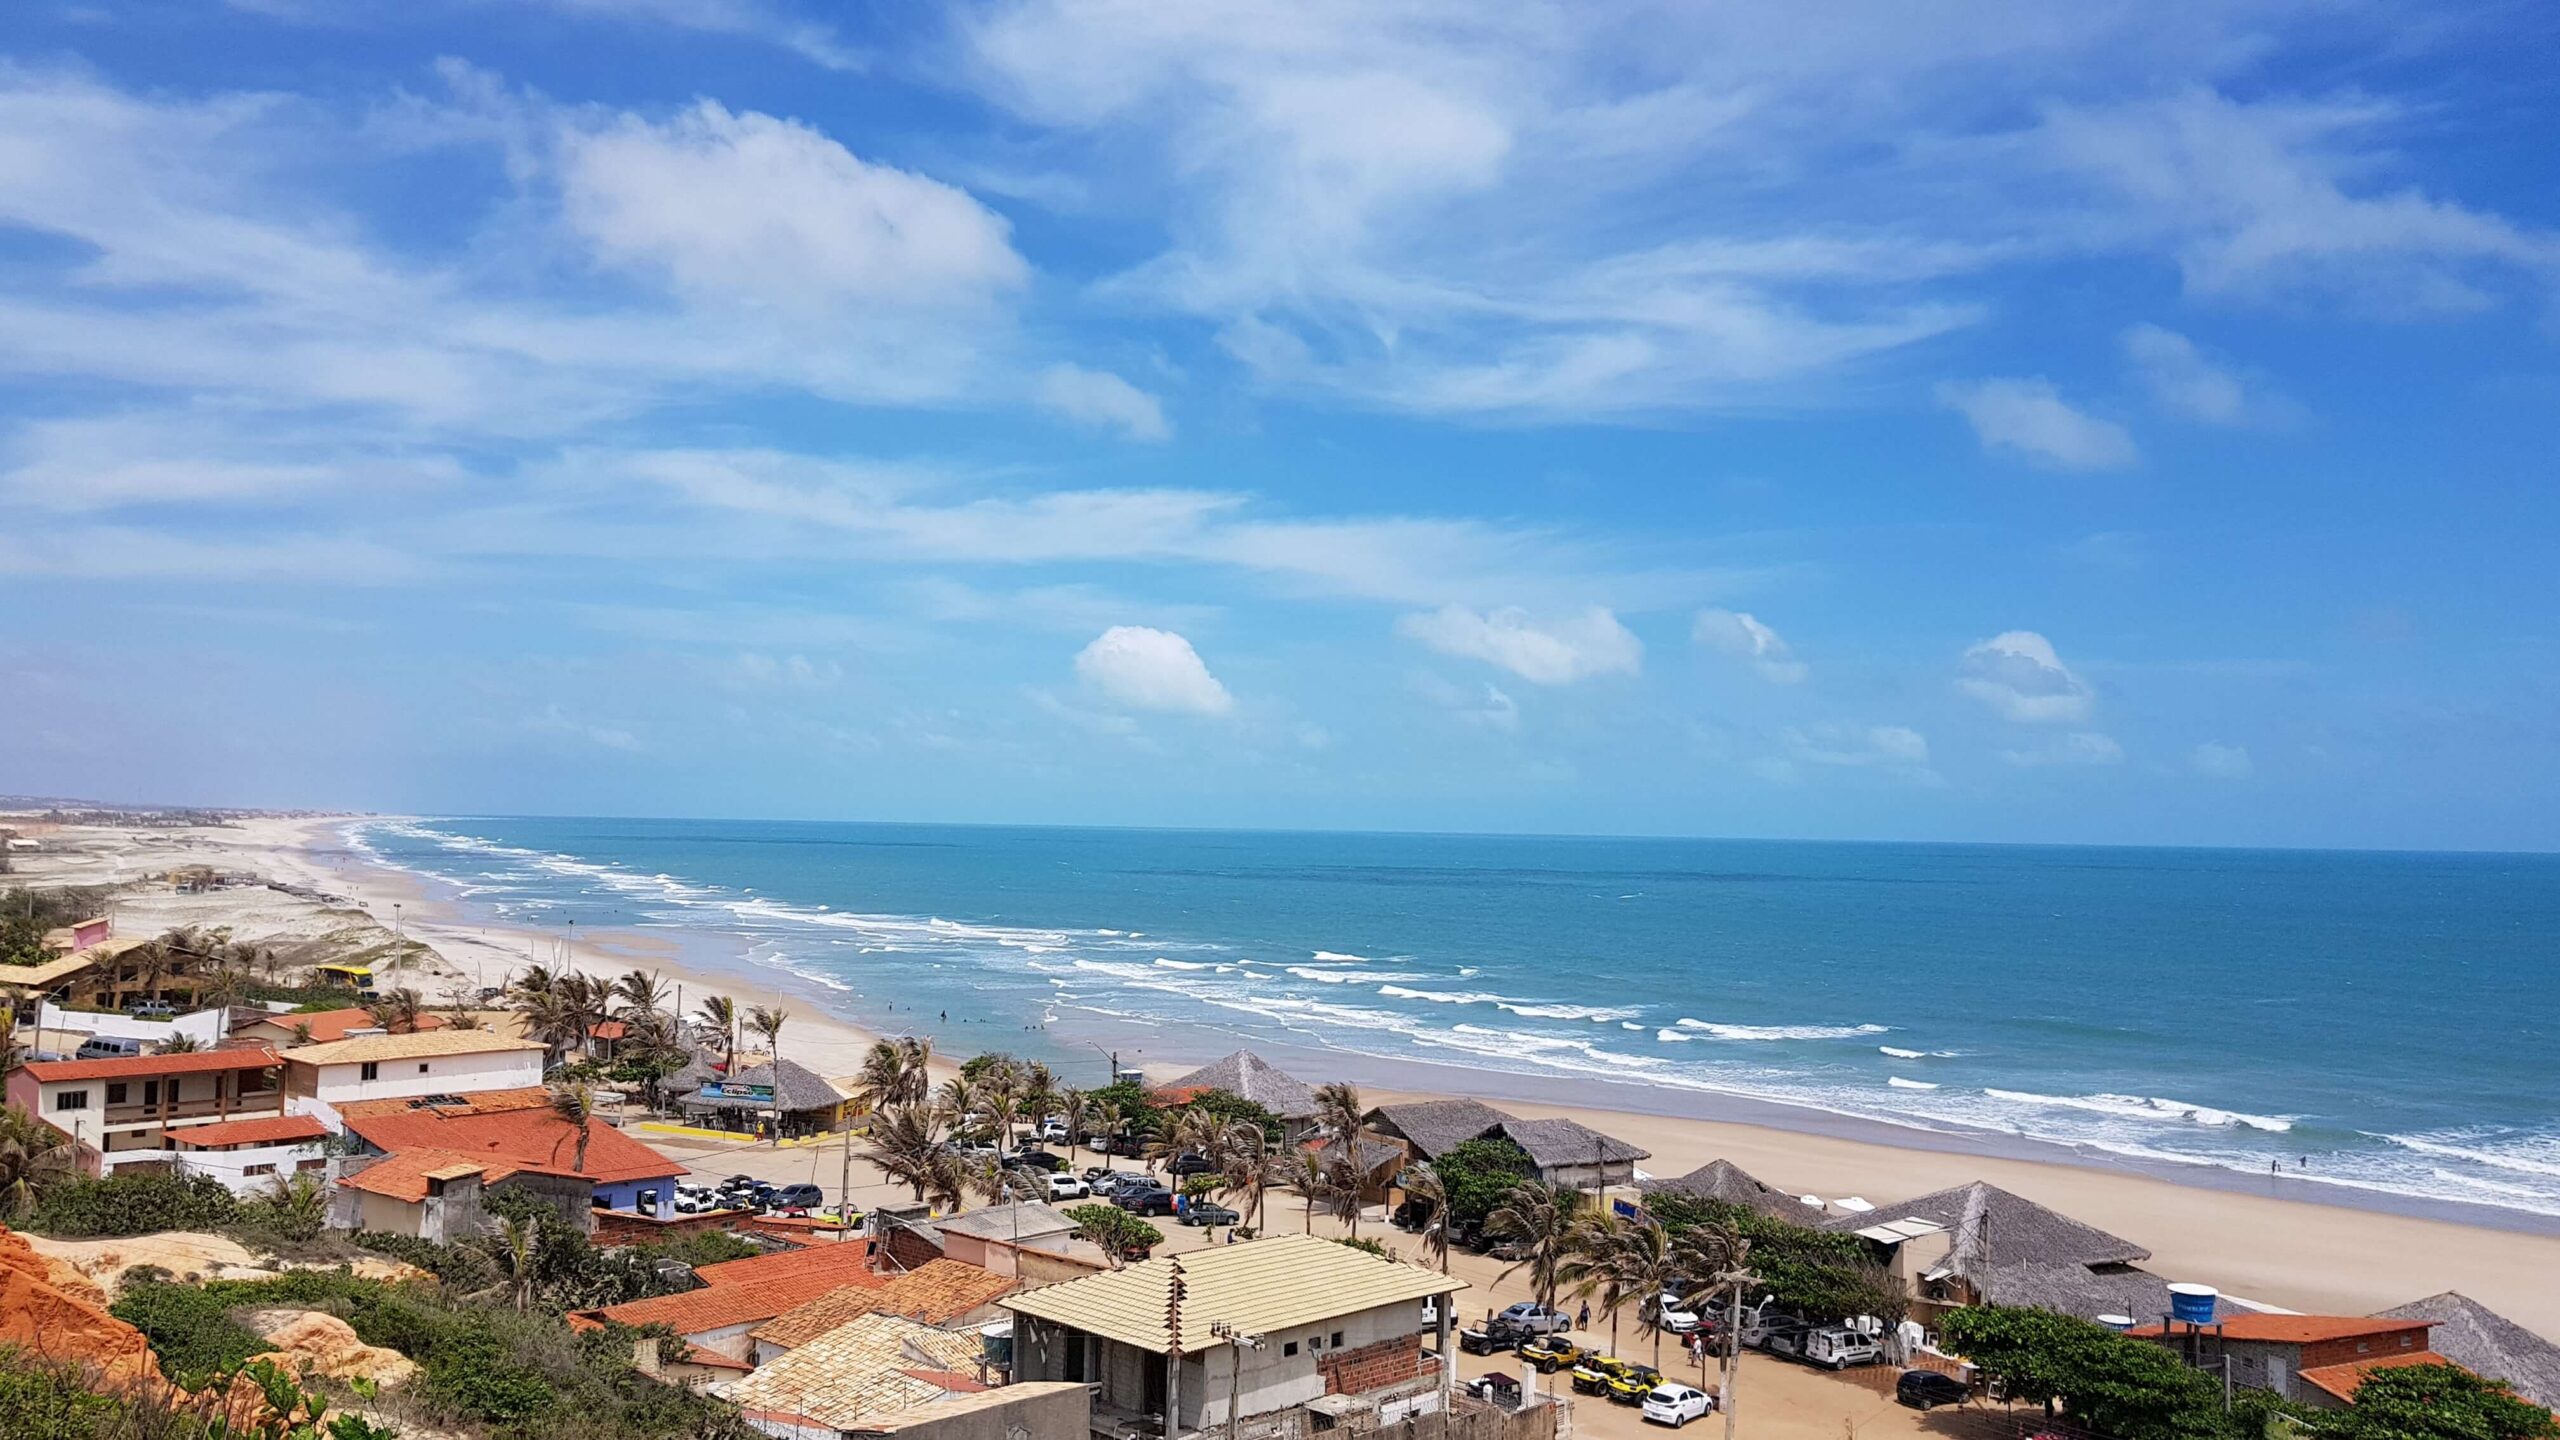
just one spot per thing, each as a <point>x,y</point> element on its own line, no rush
<point>2276,1242</point>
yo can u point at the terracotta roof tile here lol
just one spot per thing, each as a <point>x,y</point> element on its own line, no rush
<point>404,1176</point>
<point>478,1102</point>
<point>331,1025</point>
<point>193,1062</point>
<point>745,1296</point>
<point>936,1293</point>
<point>264,1130</point>
<point>2344,1380</point>
<point>530,1137</point>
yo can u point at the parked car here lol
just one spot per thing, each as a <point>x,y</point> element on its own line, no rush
<point>1208,1212</point>
<point>1495,1334</point>
<point>1143,1199</point>
<point>1593,1375</point>
<point>1500,1390</point>
<point>696,1200</point>
<point>1840,1347</point>
<point>1537,1319</point>
<point>1068,1187</point>
<point>107,1047</point>
<point>1760,1329</point>
<point>1186,1165</point>
<point>1036,1160</point>
<point>1054,1130</point>
<point>1678,1320</point>
<point>804,1197</point>
<point>1675,1405</point>
<point>1551,1353</point>
<point>1928,1389</point>
<point>1106,1183</point>
<point>1633,1384</point>
<point>151,1009</point>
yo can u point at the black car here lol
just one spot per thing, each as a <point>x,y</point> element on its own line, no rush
<point>808,1196</point>
<point>1495,1334</point>
<point>1144,1199</point>
<point>1184,1165</point>
<point>1037,1160</point>
<point>1928,1389</point>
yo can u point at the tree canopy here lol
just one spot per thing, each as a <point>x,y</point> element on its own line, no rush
<point>1476,1174</point>
<point>2434,1402</point>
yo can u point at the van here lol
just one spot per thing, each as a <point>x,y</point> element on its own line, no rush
<point>108,1047</point>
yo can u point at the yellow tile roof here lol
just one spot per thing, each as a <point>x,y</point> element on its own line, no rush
<point>419,1046</point>
<point>860,1369</point>
<point>37,977</point>
<point>1276,1283</point>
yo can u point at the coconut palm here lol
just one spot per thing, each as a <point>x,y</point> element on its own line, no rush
<point>998,1182</point>
<point>1068,1103</point>
<point>224,988</point>
<point>719,1013</point>
<point>1339,1119</point>
<point>1536,1220</point>
<point>1645,1260</point>
<point>549,1018</point>
<point>1000,1090</point>
<point>397,1011</point>
<point>34,1158</point>
<point>587,1002</point>
<point>1247,1164</point>
<point>767,1021</point>
<point>515,1247</point>
<point>1305,1173</point>
<point>947,1181</point>
<point>639,992</point>
<point>575,1102</point>
<point>181,1045</point>
<point>956,1101</point>
<point>1422,1186</point>
<point>904,1143</point>
<point>1039,1092</point>
<point>882,1078</point>
<point>1187,1131</point>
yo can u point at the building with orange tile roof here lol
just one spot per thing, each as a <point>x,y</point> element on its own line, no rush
<point>739,1295</point>
<point>939,1292</point>
<point>134,1109</point>
<point>2313,1359</point>
<point>315,1027</point>
<point>507,1134</point>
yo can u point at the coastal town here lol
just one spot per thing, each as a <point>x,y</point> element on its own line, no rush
<point>269,1161</point>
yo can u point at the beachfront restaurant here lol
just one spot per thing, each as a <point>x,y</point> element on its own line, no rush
<point>764,1099</point>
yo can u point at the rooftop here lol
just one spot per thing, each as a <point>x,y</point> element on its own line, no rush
<point>1435,1127</point>
<point>743,1292</point>
<point>404,1176</point>
<point>1275,1283</point>
<point>478,1102</point>
<point>1995,1229</point>
<point>331,1025</point>
<point>526,1137</point>
<point>265,1130</point>
<point>1569,1142</point>
<point>2487,1343</point>
<point>873,1366</point>
<point>2344,1380</point>
<point>1725,1181</point>
<point>998,1222</point>
<point>2298,1329</point>
<point>192,1062</point>
<point>1251,1077</point>
<point>936,1293</point>
<point>798,1088</point>
<point>422,1045</point>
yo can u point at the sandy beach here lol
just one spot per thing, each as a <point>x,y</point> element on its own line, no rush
<point>2265,1248</point>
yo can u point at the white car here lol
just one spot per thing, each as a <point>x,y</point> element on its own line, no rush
<point>696,1199</point>
<point>1678,1319</point>
<point>1675,1405</point>
<point>1068,1187</point>
<point>1054,1130</point>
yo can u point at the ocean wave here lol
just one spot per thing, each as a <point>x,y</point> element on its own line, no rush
<point>1528,1009</point>
<point>2546,1162</point>
<point>1771,1032</point>
<point>1352,977</point>
<point>1336,957</point>
<point>1188,964</point>
<point>1898,1083</point>
<point>2139,1107</point>
<point>1898,1053</point>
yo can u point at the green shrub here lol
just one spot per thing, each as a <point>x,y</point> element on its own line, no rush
<point>40,1400</point>
<point>190,1328</point>
<point>135,1202</point>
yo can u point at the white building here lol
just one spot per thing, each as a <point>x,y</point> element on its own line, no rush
<point>319,1078</point>
<point>218,1111</point>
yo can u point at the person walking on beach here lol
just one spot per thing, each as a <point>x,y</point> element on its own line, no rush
<point>1583,1321</point>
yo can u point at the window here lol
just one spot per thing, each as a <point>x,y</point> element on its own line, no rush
<point>115,1093</point>
<point>150,1092</point>
<point>422,1067</point>
<point>1290,1348</point>
<point>71,1100</point>
<point>1336,1341</point>
<point>369,1070</point>
<point>259,1170</point>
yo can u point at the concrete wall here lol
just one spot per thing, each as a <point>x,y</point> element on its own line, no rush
<point>1041,1412</point>
<point>1274,1378</point>
<point>232,1167</point>
<point>205,1027</point>
<point>408,1079</point>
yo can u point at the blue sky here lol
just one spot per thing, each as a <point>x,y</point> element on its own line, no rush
<point>2006,421</point>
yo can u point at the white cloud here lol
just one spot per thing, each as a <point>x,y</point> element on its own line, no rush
<point>1101,400</point>
<point>1148,669</point>
<point>2030,418</point>
<point>1743,636</point>
<point>750,206</point>
<point>748,18</point>
<point>1544,652</point>
<point>2186,382</point>
<point>2083,747</point>
<point>2222,762</point>
<point>555,721</point>
<point>2018,674</point>
<point>1886,747</point>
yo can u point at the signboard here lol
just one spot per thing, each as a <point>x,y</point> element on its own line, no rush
<point>719,1090</point>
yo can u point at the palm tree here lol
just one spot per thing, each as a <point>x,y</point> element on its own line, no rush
<point>1000,1089</point>
<point>720,1013</point>
<point>1000,1182</point>
<point>947,1181</point>
<point>586,1003</point>
<point>548,1018</point>
<point>1422,1186</point>
<point>1645,1260</point>
<point>1537,1221</point>
<point>575,1102</point>
<point>904,1143</point>
<point>224,988</point>
<point>1592,1271</point>
<point>153,962</point>
<point>639,992</point>
<point>1106,1117</point>
<point>877,1085</point>
<point>34,1158</point>
<point>1247,1165</point>
<point>397,1011</point>
<point>516,1248</point>
<point>767,1021</point>
<point>1338,1119</point>
<point>1304,1173</point>
<point>1039,1092</point>
<point>181,1045</point>
<point>1190,1132</point>
<point>915,1052</point>
<point>956,1101</point>
<point>1068,1103</point>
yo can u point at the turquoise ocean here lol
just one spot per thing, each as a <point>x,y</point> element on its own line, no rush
<point>2379,1025</point>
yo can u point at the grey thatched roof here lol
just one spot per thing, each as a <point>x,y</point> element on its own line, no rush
<point>1370,1157</point>
<point>1435,1127</point>
<point>2076,1289</point>
<point>1256,1079</point>
<point>799,1088</point>
<point>1555,1143</point>
<point>1723,1180</point>
<point>2485,1342</point>
<point>1995,1230</point>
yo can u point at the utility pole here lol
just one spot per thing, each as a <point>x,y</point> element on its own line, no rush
<point>1737,1275</point>
<point>1237,1343</point>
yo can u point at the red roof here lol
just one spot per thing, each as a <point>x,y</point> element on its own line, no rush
<point>265,1130</point>
<point>2344,1380</point>
<point>698,1355</point>
<point>328,1025</point>
<point>609,1030</point>
<point>2297,1329</point>
<point>743,1292</point>
<point>478,1102</point>
<point>145,1067</point>
<point>404,1176</point>
<point>529,1137</point>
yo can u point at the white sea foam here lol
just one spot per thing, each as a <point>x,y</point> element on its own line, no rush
<point>1336,957</point>
<point>1898,1083</point>
<point>2544,1159</point>
<point>1188,964</point>
<point>2140,1107</point>
<point>1771,1032</point>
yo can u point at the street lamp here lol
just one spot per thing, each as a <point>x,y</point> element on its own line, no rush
<point>1111,1055</point>
<point>398,943</point>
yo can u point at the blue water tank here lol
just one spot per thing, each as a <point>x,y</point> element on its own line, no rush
<point>2193,1304</point>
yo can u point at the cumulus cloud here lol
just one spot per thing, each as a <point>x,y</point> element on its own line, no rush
<point>2084,747</point>
<point>1147,669</point>
<point>1743,636</point>
<point>2222,762</point>
<point>750,206</point>
<point>2018,674</point>
<point>2030,418</point>
<point>1559,651</point>
<point>2186,382</point>
<point>1101,400</point>
<point>1887,747</point>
